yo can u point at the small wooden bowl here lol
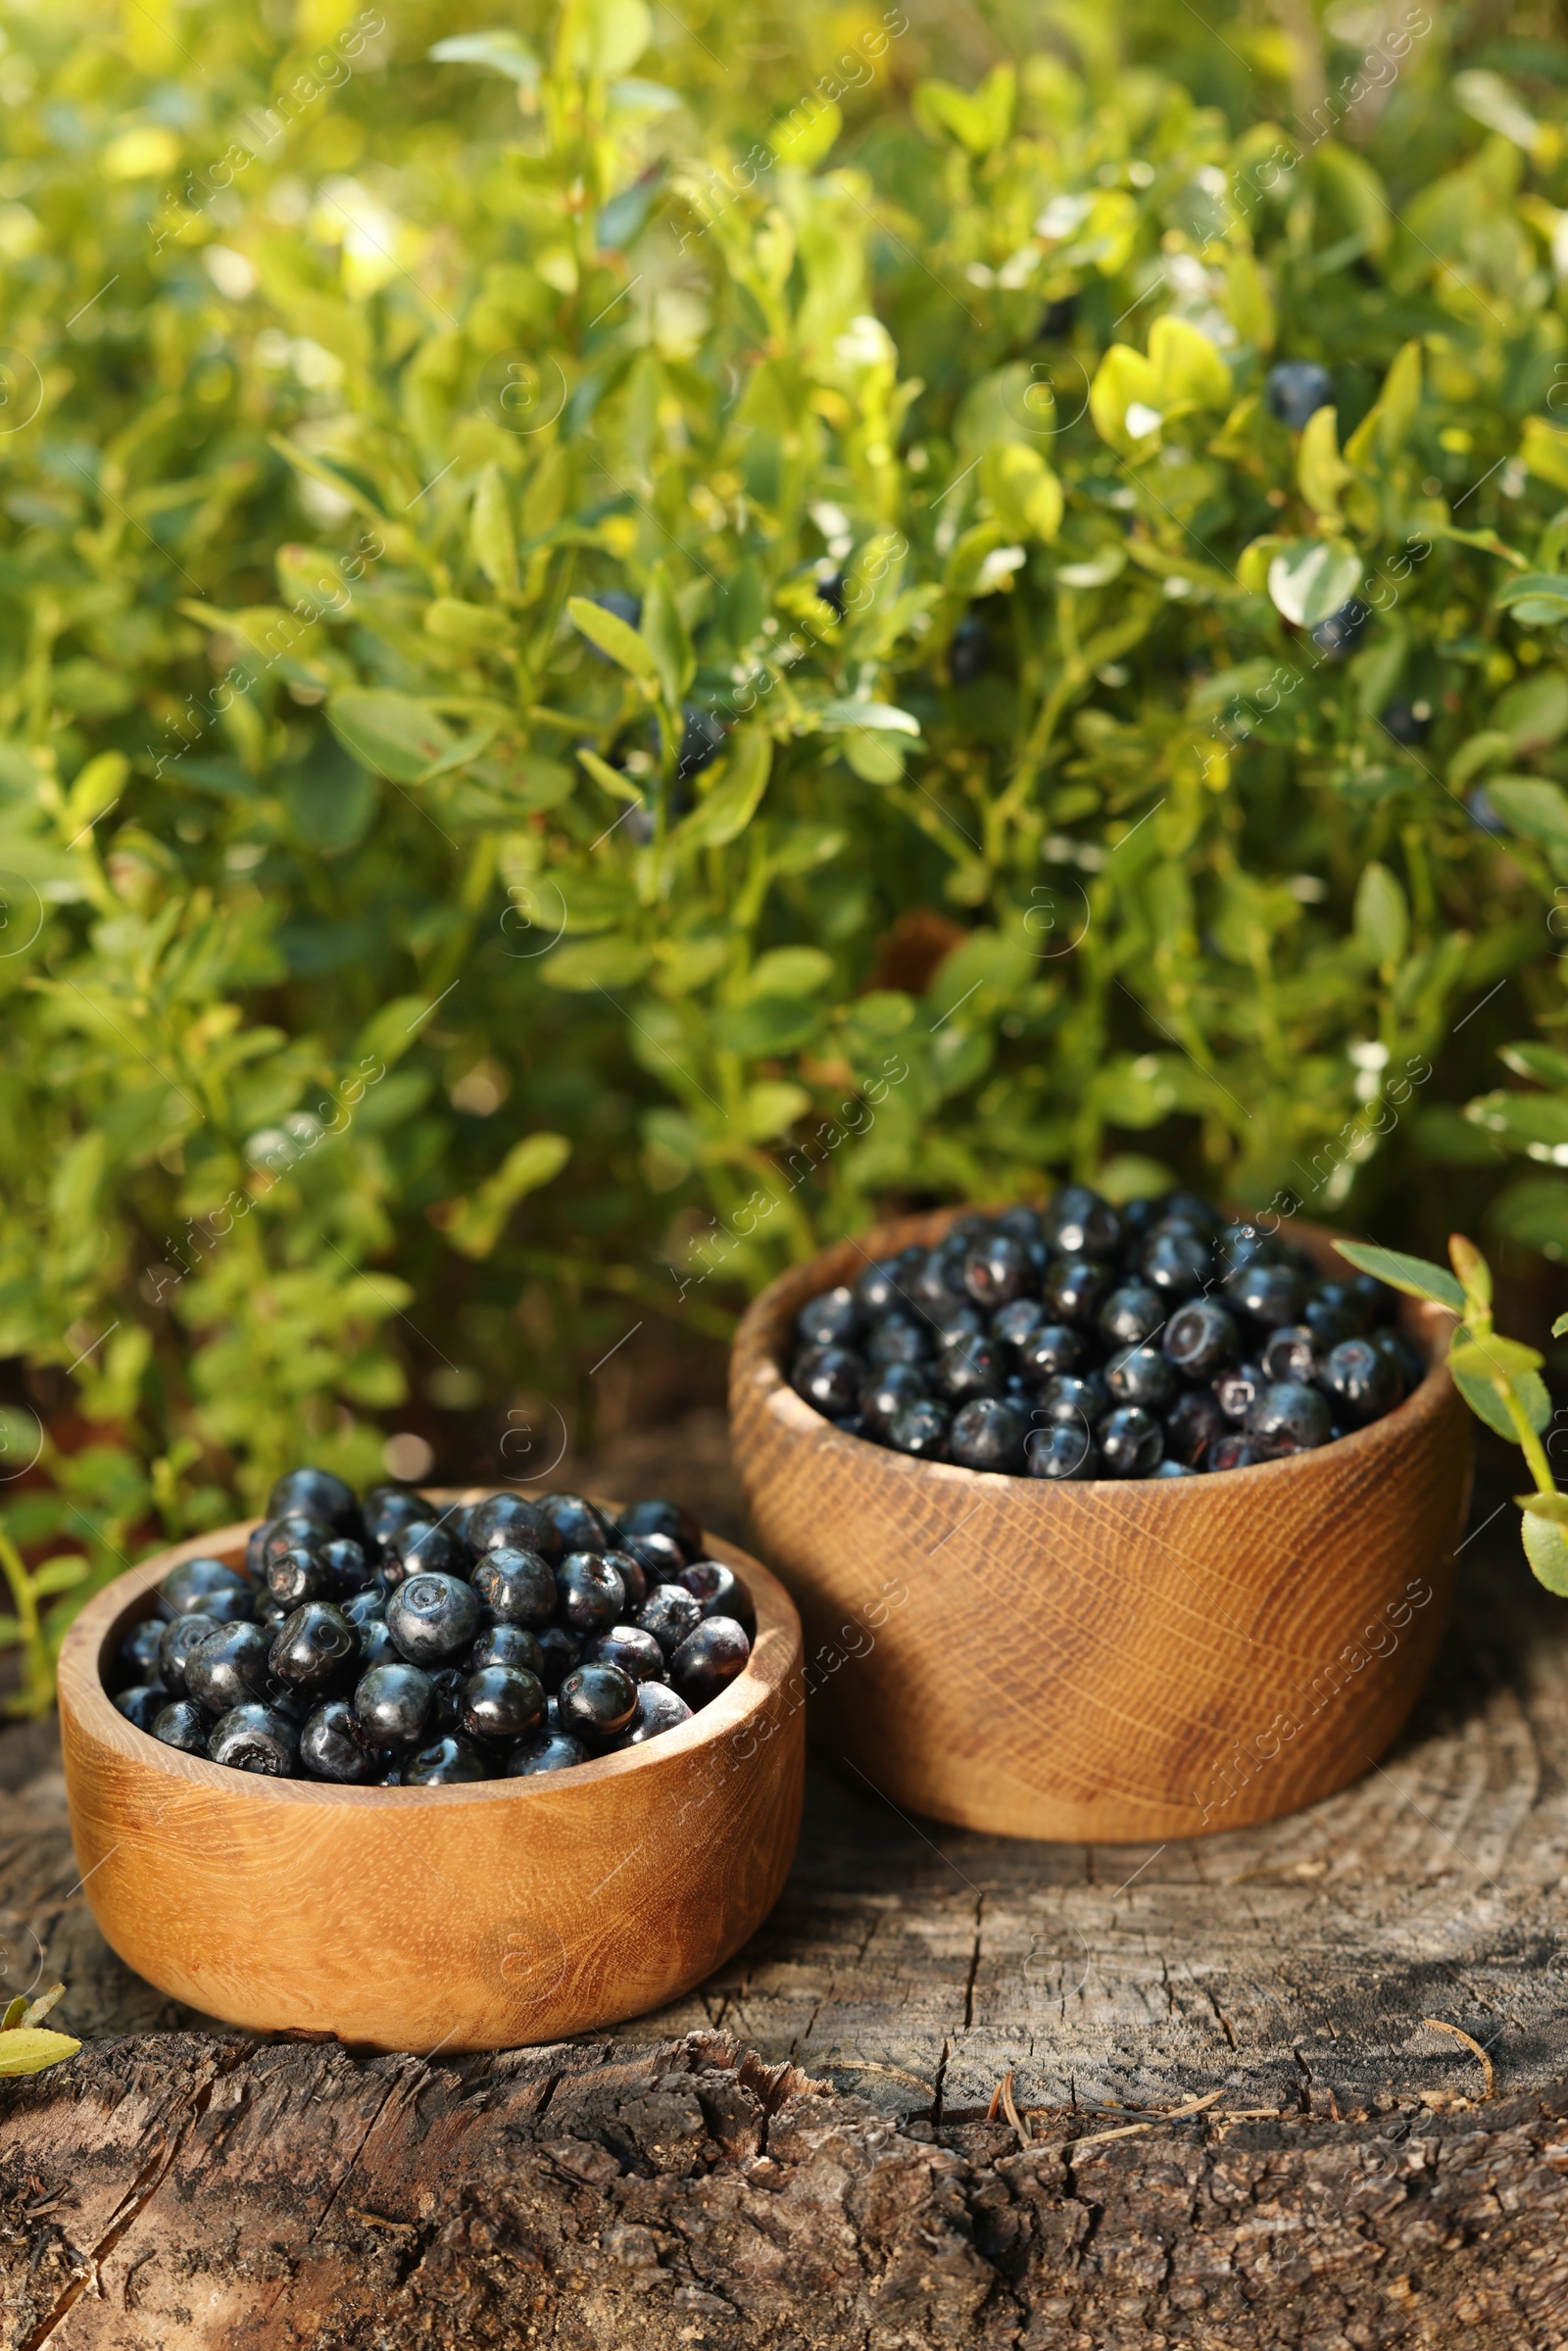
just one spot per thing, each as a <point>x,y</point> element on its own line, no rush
<point>416,1918</point>
<point>1115,1661</point>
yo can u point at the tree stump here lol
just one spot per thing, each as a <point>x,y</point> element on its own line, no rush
<point>932,2102</point>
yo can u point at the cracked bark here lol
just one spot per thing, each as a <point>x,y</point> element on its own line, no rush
<point>179,2186</point>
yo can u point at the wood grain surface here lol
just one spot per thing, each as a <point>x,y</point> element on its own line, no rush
<point>1115,1659</point>
<point>465,1917</point>
<point>184,2187</point>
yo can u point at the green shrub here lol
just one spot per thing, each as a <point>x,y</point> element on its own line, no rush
<point>358,887</point>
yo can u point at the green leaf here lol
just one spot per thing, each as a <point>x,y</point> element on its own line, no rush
<point>790,972</point>
<point>24,2051</point>
<point>1531,807</point>
<point>16,2010</point>
<point>736,794</point>
<point>1546,1505</point>
<point>1547,1551</point>
<point>614,639</point>
<point>836,717</point>
<point>1482,1396</point>
<point>1495,1356</point>
<point>664,632</point>
<point>490,532</point>
<point>1417,1277</point>
<point>474,1225</point>
<point>1537,599</point>
<point>1310,578</point>
<point>1382,917</point>
<point>504,51</point>
<point>1559,1329</point>
<point>57,1575</point>
<point>610,779</point>
<point>391,734</point>
<point>33,2012</point>
<point>587,963</point>
<point>609,36</point>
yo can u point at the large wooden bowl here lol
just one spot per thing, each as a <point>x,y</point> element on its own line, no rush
<point>415,1918</point>
<point>1112,1660</point>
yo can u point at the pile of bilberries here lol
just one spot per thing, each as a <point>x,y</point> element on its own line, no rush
<point>394,1644</point>
<point>1084,1340</point>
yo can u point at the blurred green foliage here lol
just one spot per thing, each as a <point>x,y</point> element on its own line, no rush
<point>422,452</point>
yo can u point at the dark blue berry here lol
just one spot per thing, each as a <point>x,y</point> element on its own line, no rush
<point>635,1651</point>
<point>899,1339</point>
<point>635,1580</point>
<point>719,1591</point>
<point>1191,1425</point>
<point>1049,1350</point>
<point>580,1524</point>
<point>505,1644</point>
<point>141,1702</point>
<point>709,1659</point>
<point>1073,1396</point>
<point>1131,1314</point>
<point>658,1709</point>
<point>1077,1223</point>
<point>312,1646</point>
<point>376,1644</point>
<point>671,1520</point>
<point>884,1396</point>
<point>1329,1322</point>
<point>1176,1469</point>
<point>181,1724</point>
<point>317,1494</point>
<point>1238,1389</point>
<point>1201,1339</point>
<point>1408,723</point>
<point>996,1269</point>
<point>1062,1450</point>
<point>138,1652</point>
<point>669,1613</point>
<point>561,1652</point>
<point>505,1521</point>
<point>968,651</point>
<point>1014,1325</point>
<point>1289,1413</point>
<point>433,1618</point>
<point>830,1319</point>
<point>392,1704</point>
<point>186,1588</point>
<point>938,1283</point>
<point>1290,1352</point>
<point>446,1697</point>
<point>231,1666</point>
<point>596,1701</point>
<point>1234,1451</point>
<point>1361,1380</point>
<point>361,1607</point>
<point>331,1748</point>
<point>1267,1294</point>
<point>179,1638</point>
<point>423,1549</point>
<point>1177,1263</point>
<point>879,1290</point>
<point>1075,1289</point>
<point>1337,635</point>
<point>348,1566</point>
<point>296,1576</point>
<point>499,1702</point>
<point>517,1586</point>
<point>1131,1442</point>
<point>589,1593</point>
<point>1140,1374</point>
<point>295,1531</point>
<point>448,1762</point>
<point>256,1739</point>
<point>828,1378</point>
<point>922,1428</point>
<point>988,1434</point>
<point>389,1507</point>
<point>553,1752</point>
<point>1295,389</point>
<point>969,1369</point>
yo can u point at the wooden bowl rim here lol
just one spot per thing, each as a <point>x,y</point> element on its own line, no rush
<point>754,1361</point>
<point>85,1699</point>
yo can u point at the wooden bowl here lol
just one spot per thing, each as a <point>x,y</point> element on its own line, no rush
<point>1115,1661</point>
<point>415,1918</point>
